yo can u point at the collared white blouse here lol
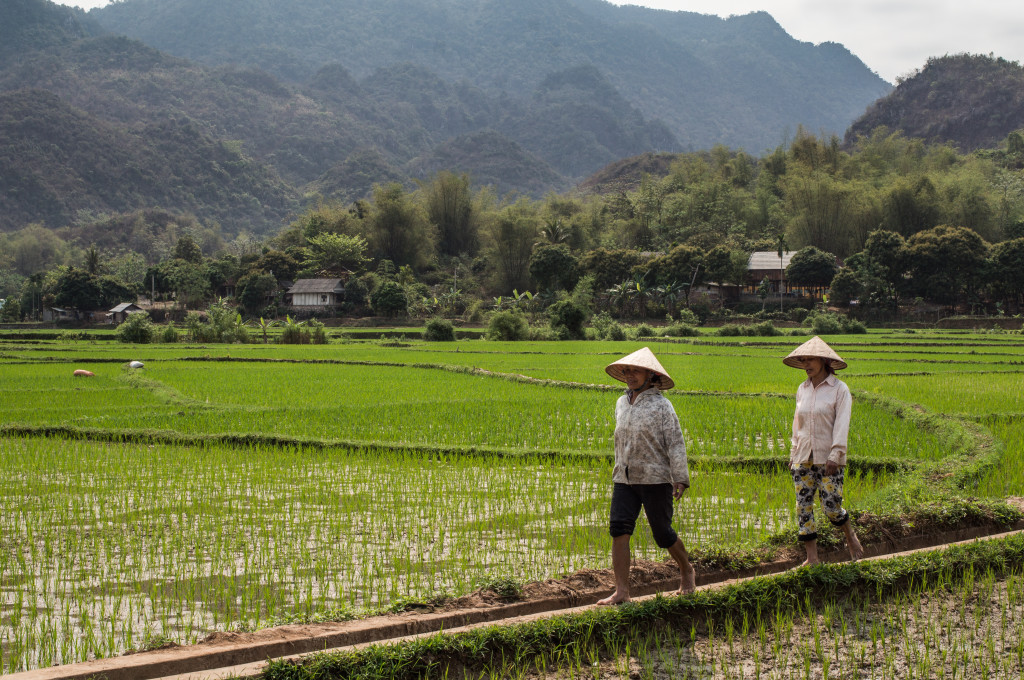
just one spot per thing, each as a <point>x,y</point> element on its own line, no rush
<point>821,423</point>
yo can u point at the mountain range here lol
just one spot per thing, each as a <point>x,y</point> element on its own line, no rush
<point>242,111</point>
<point>970,101</point>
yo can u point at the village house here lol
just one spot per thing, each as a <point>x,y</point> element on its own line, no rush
<point>51,314</point>
<point>118,314</point>
<point>315,294</point>
<point>765,264</point>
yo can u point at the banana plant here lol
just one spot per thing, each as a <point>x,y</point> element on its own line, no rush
<point>263,325</point>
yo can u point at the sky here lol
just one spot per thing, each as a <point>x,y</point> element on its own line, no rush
<point>892,37</point>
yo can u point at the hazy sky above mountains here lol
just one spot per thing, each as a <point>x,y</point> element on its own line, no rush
<point>893,37</point>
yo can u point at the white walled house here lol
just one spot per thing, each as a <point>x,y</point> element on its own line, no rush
<point>316,293</point>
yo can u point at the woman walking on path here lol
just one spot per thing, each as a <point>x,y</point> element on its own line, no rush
<point>650,467</point>
<point>817,457</point>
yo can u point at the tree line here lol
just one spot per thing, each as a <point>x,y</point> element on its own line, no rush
<point>908,221</point>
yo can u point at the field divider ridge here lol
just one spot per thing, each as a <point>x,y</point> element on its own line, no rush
<point>766,464</point>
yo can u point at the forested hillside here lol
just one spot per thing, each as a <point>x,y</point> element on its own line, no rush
<point>741,81</point>
<point>972,101</point>
<point>60,165</point>
<point>333,136</point>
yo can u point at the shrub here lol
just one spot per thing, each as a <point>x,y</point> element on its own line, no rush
<point>687,317</point>
<point>827,323</point>
<point>317,332</point>
<point>475,312</point>
<point>798,314</point>
<point>508,325</point>
<point>169,334</point>
<point>11,311</point>
<point>606,328</point>
<point>389,299</point>
<point>642,331</point>
<point>136,329</point>
<point>702,311</point>
<point>71,336</point>
<point>293,335</point>
<point>765,329</point>
<point>566,319</point>
<point>438,330</point>
<point>543,333</point>
<point>310,332</point>
<point>855,327</point>
<point>680,330</point>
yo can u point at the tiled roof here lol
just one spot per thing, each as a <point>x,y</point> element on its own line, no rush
<point>317,286</point>
<point>769,259</point>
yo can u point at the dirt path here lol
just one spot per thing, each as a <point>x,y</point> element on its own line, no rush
<point>244,654</point>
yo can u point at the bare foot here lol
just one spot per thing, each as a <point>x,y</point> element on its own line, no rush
<point>856,551</point>
<point>808,563</point>
<point>688,581</point>
<point>614,598</point>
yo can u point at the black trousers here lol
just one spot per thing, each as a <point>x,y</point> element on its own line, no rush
<point>655,499</point>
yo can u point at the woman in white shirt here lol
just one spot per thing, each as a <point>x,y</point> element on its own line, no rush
<point>817,458</point>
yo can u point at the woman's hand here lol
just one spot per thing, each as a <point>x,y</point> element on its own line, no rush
<point>831,468</point>
<point>677,490</point>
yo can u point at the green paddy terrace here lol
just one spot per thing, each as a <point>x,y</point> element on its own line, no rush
<point>237,486</point>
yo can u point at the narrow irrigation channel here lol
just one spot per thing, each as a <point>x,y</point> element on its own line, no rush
<point>239,655</point>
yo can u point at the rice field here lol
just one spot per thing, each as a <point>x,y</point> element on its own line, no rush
<point>957,626</point>
<point>108,543</point>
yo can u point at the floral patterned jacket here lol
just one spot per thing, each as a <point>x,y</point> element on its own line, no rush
<point>649,446</point>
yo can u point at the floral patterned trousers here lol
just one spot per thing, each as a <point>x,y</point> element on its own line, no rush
<point>810,478</point>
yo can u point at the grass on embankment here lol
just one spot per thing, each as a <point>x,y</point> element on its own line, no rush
<point>601,631</point>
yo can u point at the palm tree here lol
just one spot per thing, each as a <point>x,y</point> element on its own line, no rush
<point>782,247</point>
<point>553,232</point>
<point>92,261</point>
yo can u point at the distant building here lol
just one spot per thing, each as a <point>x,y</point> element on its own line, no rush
<point>765,263</point>
<point>315,293</point>
<point>51,314</point>
<point>120,313</point>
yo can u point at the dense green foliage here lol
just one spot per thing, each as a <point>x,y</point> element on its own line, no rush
<point>508,325</point>
<point>137,329</point>
<point>438,330</point>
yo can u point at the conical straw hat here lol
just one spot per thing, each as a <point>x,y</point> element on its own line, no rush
<point>815,347</point>
<point>642,358</point>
